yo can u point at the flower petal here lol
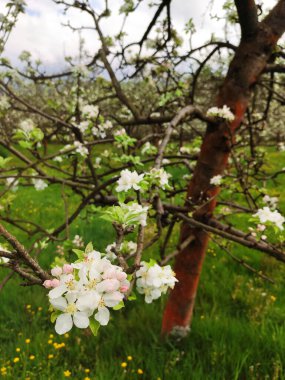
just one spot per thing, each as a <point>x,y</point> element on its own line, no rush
<point>102,316</point>
<point>58,291</point>
<point>81,320</point>
<point>63,323</point>
<point>59,303</point>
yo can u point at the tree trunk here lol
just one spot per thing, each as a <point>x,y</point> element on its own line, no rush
<point>256,46</point>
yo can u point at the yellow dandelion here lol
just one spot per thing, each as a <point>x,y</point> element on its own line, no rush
<point>18,349</point>
<point>129,357</point>
<point>50,341</point>
<point>273,298</point>
<point>67,373</point>
<point>87,370</point>
<point>50,356</point>
<point>16,360</point>
<point>32,357</point>
<point>124,365</point>
<point>28,306</point>
<point>3,369</point>
<point>87,378</point>
<point>66,335</point>
<point>140,371</point>
<point>51,336</point>
<point>28,341</point>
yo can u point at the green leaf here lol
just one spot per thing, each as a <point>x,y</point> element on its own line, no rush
<point>151,263</point>
<point>4,161</point>
<point>94,326</point>
<point>121,197</point>
<point>80,254</point>
<point>54,315</point>
<point>89,248</point>
<point>119,306</point>
<point>133,297</point>
<point>25,144</point>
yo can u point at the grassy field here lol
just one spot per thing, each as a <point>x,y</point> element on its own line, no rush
<point>238,331</point>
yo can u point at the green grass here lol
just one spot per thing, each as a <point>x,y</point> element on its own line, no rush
<point>238,330</point>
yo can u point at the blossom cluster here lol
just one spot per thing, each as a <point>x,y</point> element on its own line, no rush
<point>86,289</point>
<point>39,184</point>
<point>216,180</point>
<point>224,113</point>
<point>132,180</point>
<point>267,215</point>
<point>154,280</point>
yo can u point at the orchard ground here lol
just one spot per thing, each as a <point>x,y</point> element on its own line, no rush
<point>238,331</point>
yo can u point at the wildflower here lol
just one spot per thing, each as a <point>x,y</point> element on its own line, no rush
<point>50,356</point>
<point>129,180</point>
<point>87,370</point>
<point>124,365</point>
<point>140,371</point>
<point>28,341</point>
<point>273,298</point>
<point>87,378</point>
<point>129,358</point>
<point>32,357</point>
<point>40,308</point>
<point>18,349</point>
<point>16,360</point>
<point>67,373</point>
<point>66,336</point>
<point>50,341</point>
<point>216,180</point>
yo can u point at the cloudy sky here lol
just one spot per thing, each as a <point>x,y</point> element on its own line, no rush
<point>40,30</point>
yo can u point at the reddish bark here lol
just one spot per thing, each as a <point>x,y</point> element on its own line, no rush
<point>249,61</point>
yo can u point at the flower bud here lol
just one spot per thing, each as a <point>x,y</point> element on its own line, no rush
<point>56,271</point>
<point>47,284</point>
<point>55,282</point>
<point>67,269</point>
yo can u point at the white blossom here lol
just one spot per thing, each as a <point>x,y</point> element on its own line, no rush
<point>154,280</point>
<point>129,180</point>
<point>266,215</point>
<point>12,183</point>
<point>4,102</point>
<point>78,241</point>
<point>120,132</point>
<point>81,149</point>
<point>224,113</point>
<point>39,184</point>
<point>135,213</point>
<point>270,201</point>
<point>161,176</point>
<point>85,289</point>
<point>90,111</point>
<point>27,126</point>
<point>216,180</point>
